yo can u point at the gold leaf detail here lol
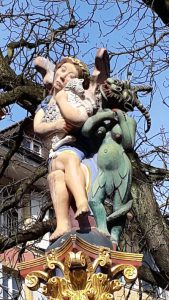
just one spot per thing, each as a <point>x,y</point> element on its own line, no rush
<point>78,279</point>
<point>32,279</point>
<point>104,259</point>
<point>115,285</point>
<point>130,274</point>
<point>52,261</point>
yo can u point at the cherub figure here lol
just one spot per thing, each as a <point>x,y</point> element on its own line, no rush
<point>63,109</point>
<point>59,114</point>
<point>76,97</point>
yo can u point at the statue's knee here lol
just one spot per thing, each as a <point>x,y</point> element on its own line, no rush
<point>69,159</point>
<point>72,161</point>
<point>50,176</point>
<point>56,165</point>
<point>57,175</point>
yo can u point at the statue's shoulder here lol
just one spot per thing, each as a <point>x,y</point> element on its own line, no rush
<point>44,103</point>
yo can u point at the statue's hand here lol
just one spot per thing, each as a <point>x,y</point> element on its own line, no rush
<point>99,119</point>
<point>60,96</point>
<point>46,68</point>
<point>62,126</point>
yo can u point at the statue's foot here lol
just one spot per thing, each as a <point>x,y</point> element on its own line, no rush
<point>82,209</point>
<point>115,246</point>
<point>59,232</point>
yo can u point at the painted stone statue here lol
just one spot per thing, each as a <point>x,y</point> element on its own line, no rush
<point>117,131</point>
<point>66,177</point>
<point>114,177</point>
<point>90,137</point>
<point>90,164</point>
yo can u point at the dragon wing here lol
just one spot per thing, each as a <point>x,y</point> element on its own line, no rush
<point>119,179</point>
<point>99,183</point>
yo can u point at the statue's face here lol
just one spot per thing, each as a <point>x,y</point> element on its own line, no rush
<point>62,75</point>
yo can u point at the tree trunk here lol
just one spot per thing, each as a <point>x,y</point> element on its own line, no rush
<point>153,226</point>
<point>161,7</point>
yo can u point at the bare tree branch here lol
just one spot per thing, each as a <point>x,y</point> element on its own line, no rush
<point>16,140</point>
<point>53,37</point>
<point>153,277</point>
<point>160,7</point>
<point>25,184</point>
<point>27,96</point>
<point>36,231</point>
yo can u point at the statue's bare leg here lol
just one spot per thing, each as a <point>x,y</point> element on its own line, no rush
<point>60,198</point>
<point>96,204</point>
<point>75,181</point>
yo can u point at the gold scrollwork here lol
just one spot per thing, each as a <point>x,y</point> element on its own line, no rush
<point>52,261</point>
<point>32,279</point>
<point>106,296</point>
<point>104,259</point>
<point>103,287</point>
<point>54,287</point>
<point>75,259</point>
<point>79,281</point>
<point>129,272</point>
<point>78,260</point>
<point>115,285</point>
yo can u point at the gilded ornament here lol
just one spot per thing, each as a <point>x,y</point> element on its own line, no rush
<point>115,285</point>
<point>129,272</point>
<point>106,296</point>
<point>79,281</point>
<point>104,258</point>
<point>52,260</point>
<point>75,259</point>
<point>32,279</point>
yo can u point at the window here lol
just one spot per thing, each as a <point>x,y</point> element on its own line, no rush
<point>26,143</point>
<point>5,287</point>
<point>11,286</point>
<point>9,222</point>
<point>32,145</point>
<point>16,287</point>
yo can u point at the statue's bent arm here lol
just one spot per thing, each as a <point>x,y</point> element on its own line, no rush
<point>128,127</point>
<point>70,114</point>
<point>41,127</point>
